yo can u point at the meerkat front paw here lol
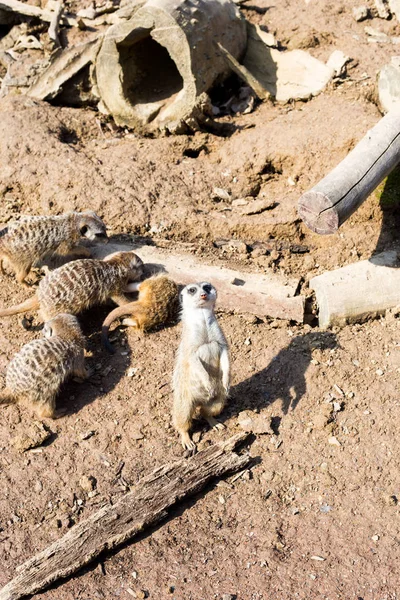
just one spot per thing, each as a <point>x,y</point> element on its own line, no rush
<point>188,444</point>
<point>214,424</point>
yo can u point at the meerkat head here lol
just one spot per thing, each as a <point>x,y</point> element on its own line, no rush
<point>91,226</point>
<point>198,295</point>
<point>64,325</point>
<point>130,261</point>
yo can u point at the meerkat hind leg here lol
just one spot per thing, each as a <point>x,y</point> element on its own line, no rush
<point>22,272</point>
<point>208,413</point>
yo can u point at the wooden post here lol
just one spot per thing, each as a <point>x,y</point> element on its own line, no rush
<point>358,291</point>
<point>327,205</point>
<point>146,504</point>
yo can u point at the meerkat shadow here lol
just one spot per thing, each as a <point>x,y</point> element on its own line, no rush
<point>105,371</point>
<point>284,378</point>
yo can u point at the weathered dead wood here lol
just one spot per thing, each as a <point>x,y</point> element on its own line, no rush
<point>353,293</point>
<point>28,10</point>
<point>112,526</point>
<point>255,293</point>
<point>327,205</point>
<point>244,74</point>
<point>55,23</point>
<point>65,65</point>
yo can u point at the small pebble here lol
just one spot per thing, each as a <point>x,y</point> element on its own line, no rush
<point>379,372</point>
<point>360,13</point>
<point>375,538</point>
<point>221,499</point>
<point>333,441</point>
<point>87,434</point>
<point>317,558</point>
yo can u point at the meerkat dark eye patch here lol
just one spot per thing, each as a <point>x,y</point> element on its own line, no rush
<point>207,288</point>
<point>84,230</point>
<point>192,290</point>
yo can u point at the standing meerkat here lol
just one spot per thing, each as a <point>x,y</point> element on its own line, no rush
<point>80,284</point>
<point>35,374</point>
<point>30,239</point>
<point>157,304</point>
<point>202,371</point>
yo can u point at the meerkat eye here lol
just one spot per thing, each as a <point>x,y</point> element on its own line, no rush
<point>207,288</point>
<point>191,290</point>
<point>84,230</point>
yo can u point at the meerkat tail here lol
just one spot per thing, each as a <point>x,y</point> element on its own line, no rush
<point>30,304</point>
<point>120,311</point>
<point>6,397</point>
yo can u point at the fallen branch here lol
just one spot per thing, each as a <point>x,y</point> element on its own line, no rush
<point>145,505</point>
<point>55,23</point>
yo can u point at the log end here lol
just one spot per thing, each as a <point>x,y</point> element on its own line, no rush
<point>317,212</point>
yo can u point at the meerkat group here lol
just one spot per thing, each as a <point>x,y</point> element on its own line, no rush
<point>201,376</point>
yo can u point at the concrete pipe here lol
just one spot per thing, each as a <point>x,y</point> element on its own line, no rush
<point>152,69</point>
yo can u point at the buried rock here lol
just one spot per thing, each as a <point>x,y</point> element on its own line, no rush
<point>32,436</point>
<point>155,67</point>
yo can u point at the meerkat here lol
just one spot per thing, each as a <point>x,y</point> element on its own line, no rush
<point>157,304</point>
<point>82,283</point>
<point>24,242</point>
<point>201,376</point>
<point>35,374</point>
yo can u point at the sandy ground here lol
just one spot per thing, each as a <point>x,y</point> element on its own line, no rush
<point>317,514</point>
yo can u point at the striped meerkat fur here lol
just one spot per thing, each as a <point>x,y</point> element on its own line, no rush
<point>24,242</point>
<point>157,304</point>
<point>35,374</point>
<point>83,283</point>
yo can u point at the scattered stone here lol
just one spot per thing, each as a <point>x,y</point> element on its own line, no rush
<point>324,418</point>
<point>241,202</point>
<point>338,390</point>
<point>360,13</point>
<point>38,487</point>
<point>337,406</point>
<point>87,434</point>
<point>375,538</point>
<point>389,85</point>
<point>317,558</point>
<point>88,483</point>
<point>228,597</point>
<point>379,372</point>
<point>333,441</point>
<point>337,62</point>
<point>391,500</point>
<point>382,9</point>
<point>136,434</point>
<point>34,435</point>
<point>394,6</point>
<point>247,342</point>
<point>251,422</point>
<point>258,206</point>
<point>325,508</point>
<point>132,371</point>
<point>221,499</point>
<point>220,194</point>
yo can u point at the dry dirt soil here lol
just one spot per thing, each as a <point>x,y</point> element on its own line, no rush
<point>310,519</point>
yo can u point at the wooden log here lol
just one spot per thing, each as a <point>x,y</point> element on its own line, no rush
<point>259,294</point>
<point>113,525</point>
<point>327,205</point>
<point>358,291</point>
